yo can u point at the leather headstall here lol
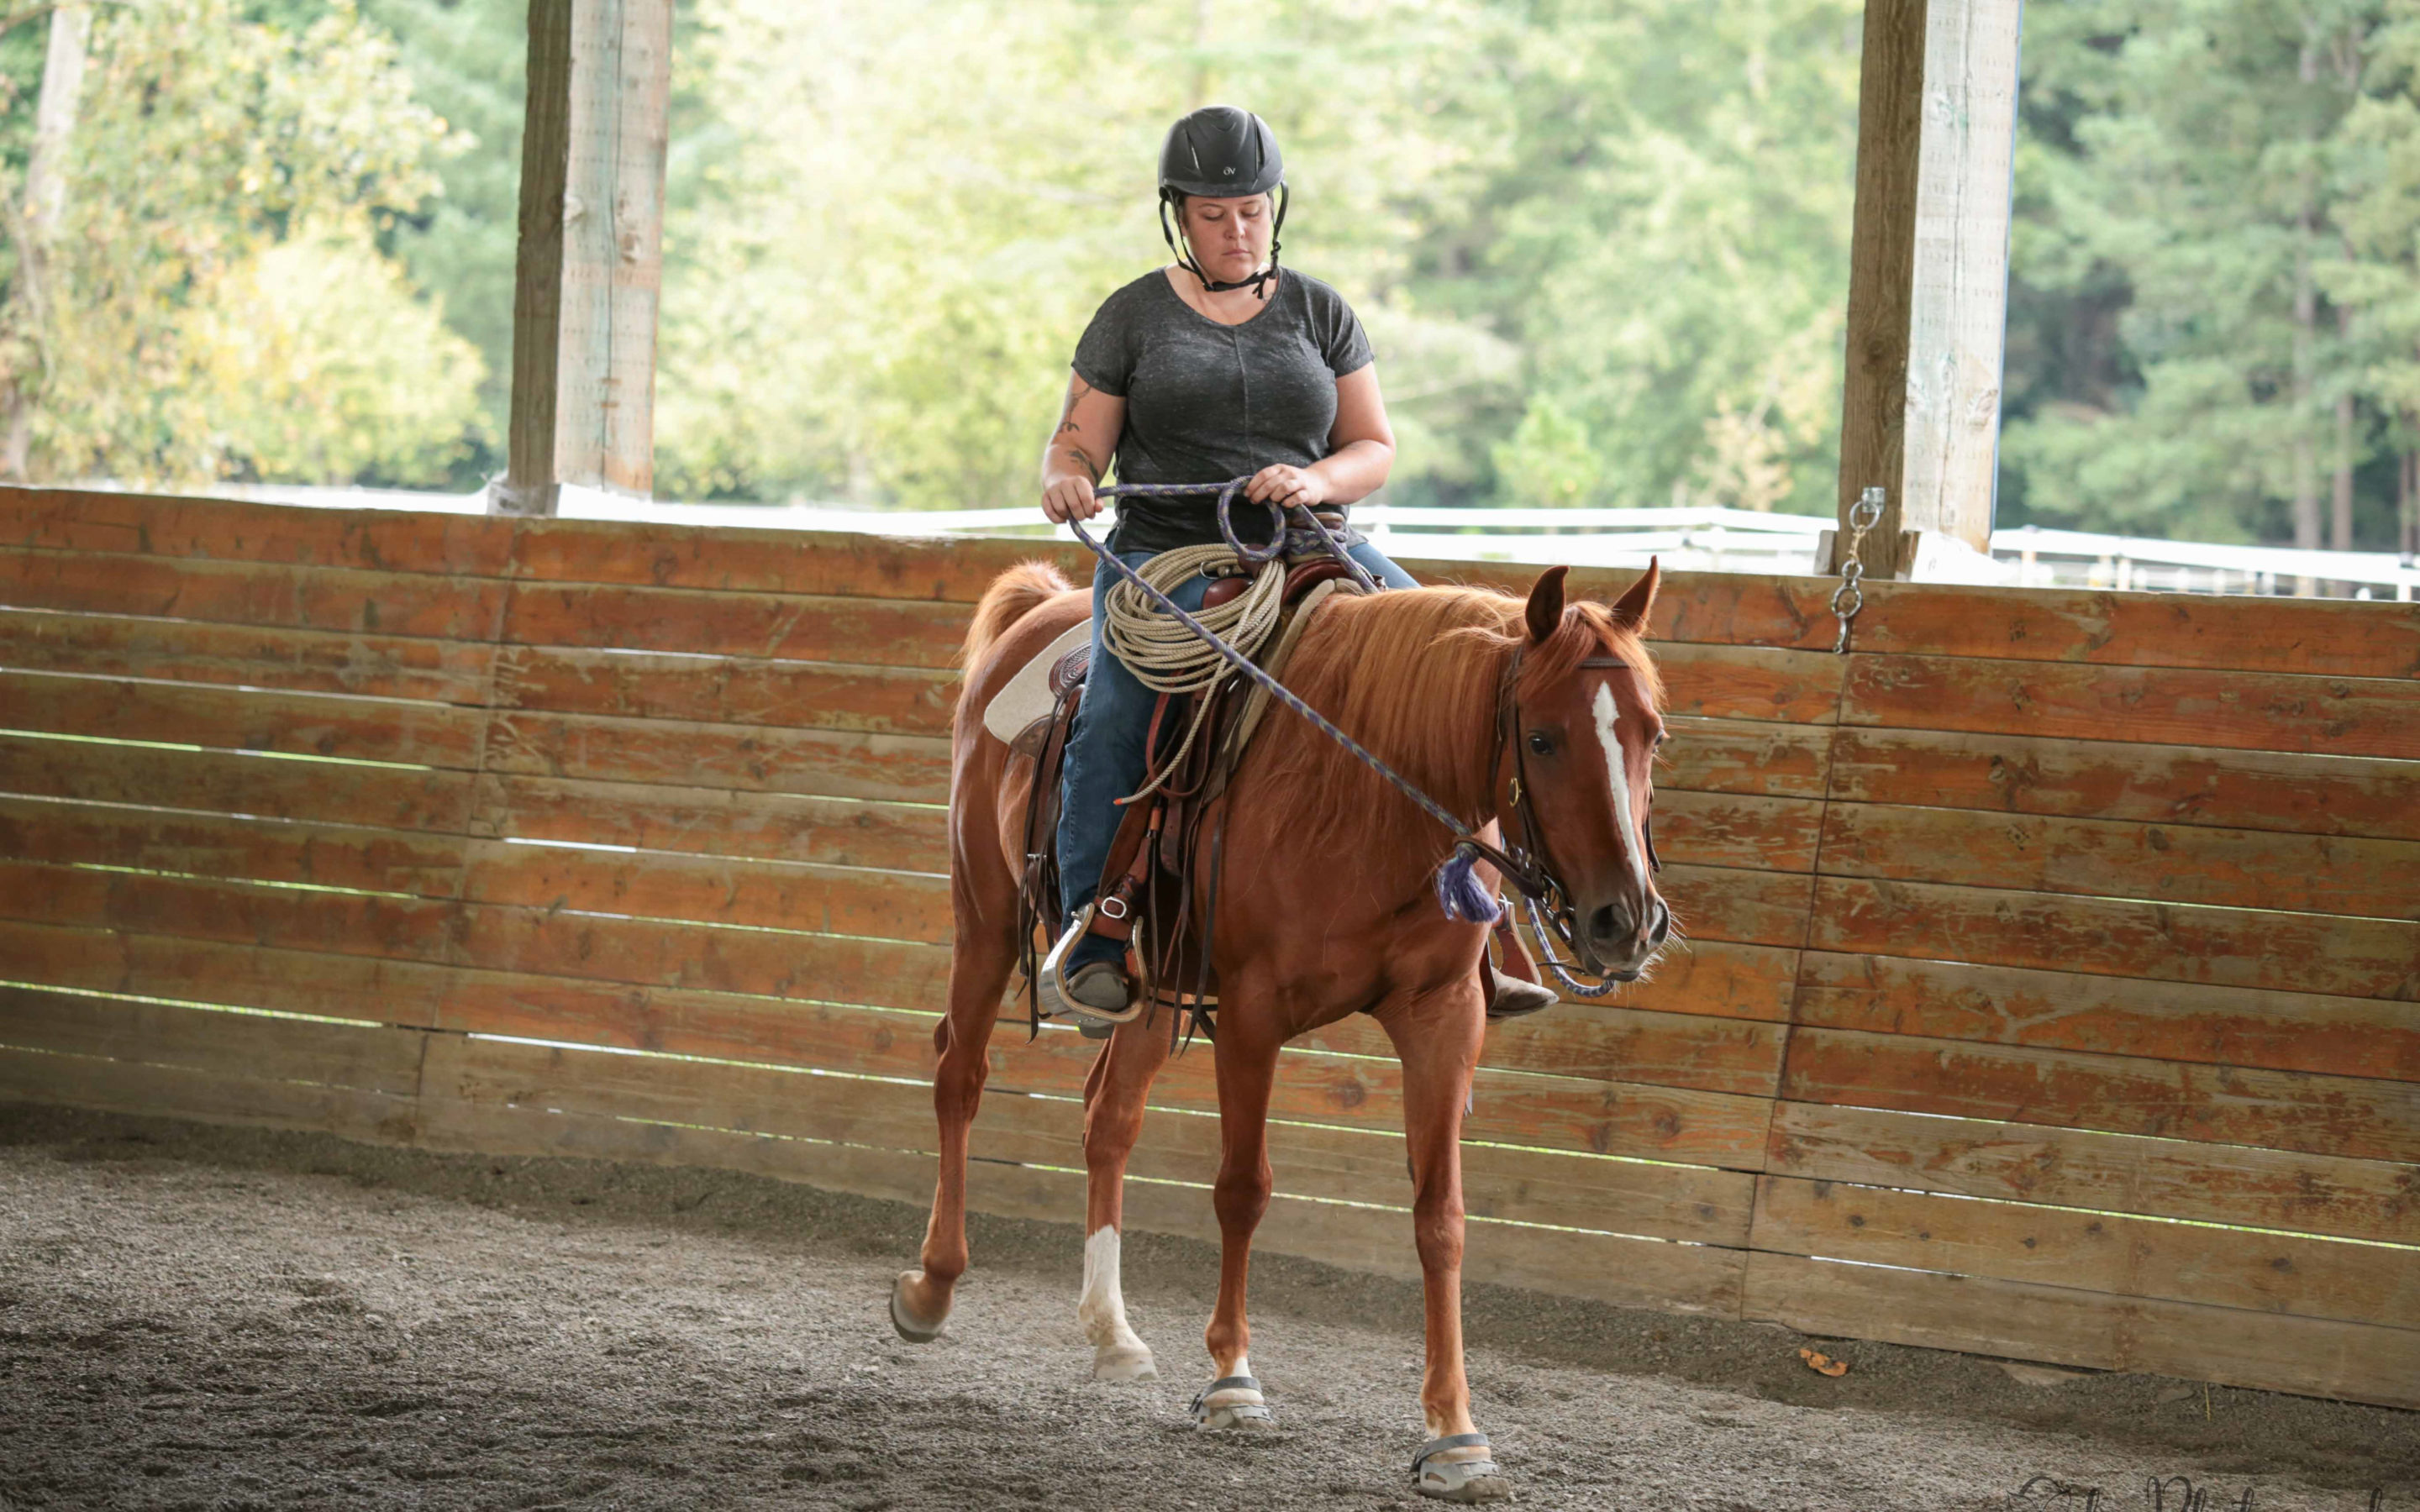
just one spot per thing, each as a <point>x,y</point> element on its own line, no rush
<point>1532,868</point>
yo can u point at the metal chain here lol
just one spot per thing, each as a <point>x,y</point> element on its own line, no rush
<point>1850,596</point>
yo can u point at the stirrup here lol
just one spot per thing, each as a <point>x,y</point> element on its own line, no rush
<point>1051,989</point>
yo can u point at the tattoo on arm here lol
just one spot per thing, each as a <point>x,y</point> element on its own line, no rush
<point>1074,450</point>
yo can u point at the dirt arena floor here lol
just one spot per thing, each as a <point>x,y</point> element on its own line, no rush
<point>217,1319</point>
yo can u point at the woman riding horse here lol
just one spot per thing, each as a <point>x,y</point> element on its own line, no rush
<point>1214,367</point>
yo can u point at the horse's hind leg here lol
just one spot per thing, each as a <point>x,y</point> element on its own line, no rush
<point>1113,1108</point>
<point>979,968</point>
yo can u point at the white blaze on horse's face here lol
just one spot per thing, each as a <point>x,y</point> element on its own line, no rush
<point>1608,734</point>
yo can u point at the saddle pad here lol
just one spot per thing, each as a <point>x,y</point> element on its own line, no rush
<point>1026,696</point>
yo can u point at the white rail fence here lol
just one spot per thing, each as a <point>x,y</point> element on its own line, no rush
<point>1706,539</point>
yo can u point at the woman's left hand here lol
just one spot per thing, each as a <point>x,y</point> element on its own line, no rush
<point>1286,487</point>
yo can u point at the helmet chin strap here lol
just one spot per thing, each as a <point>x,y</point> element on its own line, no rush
<point>1185,258</point>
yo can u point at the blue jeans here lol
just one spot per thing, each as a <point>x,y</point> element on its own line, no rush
<point>1105,757</point>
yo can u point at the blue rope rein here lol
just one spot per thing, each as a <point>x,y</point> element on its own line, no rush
<point>1458,891</point>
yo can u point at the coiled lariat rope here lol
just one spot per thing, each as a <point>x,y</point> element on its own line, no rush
<point>1458,891</point>
<point>1167,658</point>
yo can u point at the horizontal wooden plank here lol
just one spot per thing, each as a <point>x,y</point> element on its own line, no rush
<point>1358,1165</point>
<point>1750,683</point>
<point>753,758</point>
<point>899,701</point>
<point>1604,1267</point>
<point>211,846</point>
<point>237,782</point>
<point>1745,756</point>
<point>254,592</point>
<point>2253,711</point>
<point>714,1003</point>
<point>386,540</point>
<point>2327,637</point>
<point>2308,794</point>
<point>2098,1252</point>
<point>2064,1325</point>
<point>1607,1041</point>
<point>2126,858</point>
<point>2114,1015</point>
<point>2226,947</point>
<point>832,563</point>
<point>1746,907</point>
<point>714,822</point>
<point>711,890</point>
<point>1731,609</point>
<point>302,661</point>
<point>290,724</point>
<point>1734,830</point>
<point>1717,979</point>
<point>1331,1163</point>
<point>232,975</point>
<point>886,632</point>
<point>377,1059</point>
<point>1708,829</point>
<point>404,929</point>
<point>212,1096</point>
<point>2358,1117</point>
<point>2102,1172</point>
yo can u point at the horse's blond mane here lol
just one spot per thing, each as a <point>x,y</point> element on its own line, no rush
<point>1412,675</point>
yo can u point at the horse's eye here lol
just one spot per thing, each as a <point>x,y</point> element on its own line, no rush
<point>1540,745</point>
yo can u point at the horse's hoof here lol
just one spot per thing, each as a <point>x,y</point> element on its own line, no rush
<point>910,1328</point>
<point>1233,1403</point>
<point>1123,1362</point>
<point>1461,1481</point>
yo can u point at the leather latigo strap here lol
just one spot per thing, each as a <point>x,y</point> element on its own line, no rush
<point>1127,873</point>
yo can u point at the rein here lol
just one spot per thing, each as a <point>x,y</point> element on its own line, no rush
<point>1458,892</point>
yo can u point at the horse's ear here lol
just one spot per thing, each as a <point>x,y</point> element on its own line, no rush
<point>1546,604</point>
<point>1630,611</point>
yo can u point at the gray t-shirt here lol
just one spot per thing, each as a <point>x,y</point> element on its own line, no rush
<point>1206,402</point>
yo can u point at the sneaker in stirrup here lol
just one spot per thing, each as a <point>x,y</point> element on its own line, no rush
<point>1096,992</point>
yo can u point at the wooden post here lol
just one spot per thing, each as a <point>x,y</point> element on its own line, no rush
<point>591,262</point>
<point>1928,267</point>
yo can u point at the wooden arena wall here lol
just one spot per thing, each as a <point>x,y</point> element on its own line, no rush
<point>2052,957</point>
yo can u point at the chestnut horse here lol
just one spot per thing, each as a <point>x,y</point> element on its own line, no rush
<point>1327,909</point>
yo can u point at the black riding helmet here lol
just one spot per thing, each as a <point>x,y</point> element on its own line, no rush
<point>1220,152</point>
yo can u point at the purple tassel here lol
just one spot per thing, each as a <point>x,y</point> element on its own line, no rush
<point>1459,892</point>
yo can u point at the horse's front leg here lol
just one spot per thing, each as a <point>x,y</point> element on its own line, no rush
<point>1248,1064</point>
<point>1438,1038</point>
<point>1113,1109</point>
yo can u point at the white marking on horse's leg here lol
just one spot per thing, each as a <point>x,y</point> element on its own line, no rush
<point>1118,1354</point>
<point>1607,718</point>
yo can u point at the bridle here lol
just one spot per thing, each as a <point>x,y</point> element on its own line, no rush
<point>1528,865</point>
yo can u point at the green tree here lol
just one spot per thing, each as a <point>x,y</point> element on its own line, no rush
<point>215,303</point>
<point>2188,196</point>
<point>875,283</point>
<point>1667,242</point>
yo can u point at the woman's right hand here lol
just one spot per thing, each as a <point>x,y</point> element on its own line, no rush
<point>1069,498</point>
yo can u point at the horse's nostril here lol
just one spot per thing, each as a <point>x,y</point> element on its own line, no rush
<point>1606,927</point>
<point>1663,924</point>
